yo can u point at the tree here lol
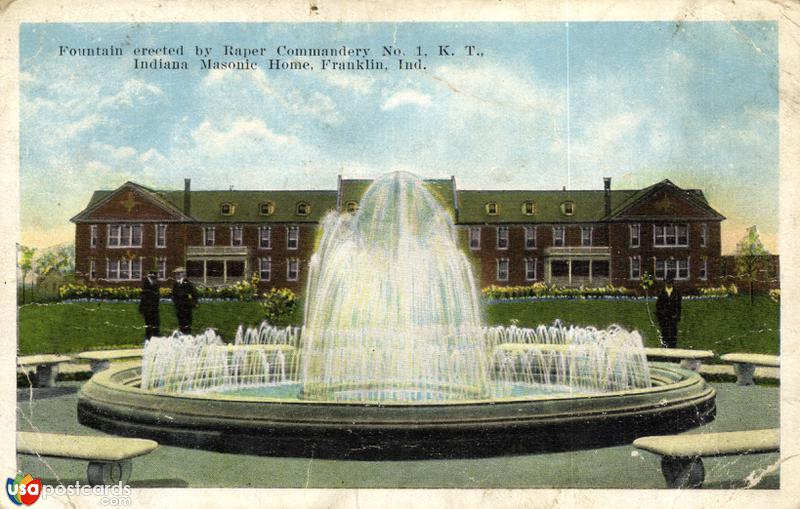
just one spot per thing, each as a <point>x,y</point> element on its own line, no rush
<point>25,263</point>
<point>60,259</point>
<point>751,258</point>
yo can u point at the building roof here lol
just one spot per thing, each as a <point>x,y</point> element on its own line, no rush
<point>441,189</point>
<point>589,206</point>
<point>467,206</point>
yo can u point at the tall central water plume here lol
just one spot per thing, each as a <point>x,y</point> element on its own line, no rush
<point>392,310</point>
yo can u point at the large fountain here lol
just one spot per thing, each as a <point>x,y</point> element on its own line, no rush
<point>394,359</point>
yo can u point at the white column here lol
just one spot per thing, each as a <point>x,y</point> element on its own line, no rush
<point>569,271</point>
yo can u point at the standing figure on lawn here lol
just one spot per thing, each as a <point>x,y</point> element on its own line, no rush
<point>668,312</point>
<point>148,305</point>
<point>184,296</point>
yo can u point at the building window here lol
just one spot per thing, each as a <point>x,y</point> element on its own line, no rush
<point>502,237</point>
<point>492,208</point>
<point>124,235</point>
<point>227,209</point>
<point>586,236</point>
<point>677,269</point>
<point>703,269</point>
<point>236,235</point>
<point>351,206</point>
<point>703,235</point>
<point>265,237</point>
<point>161,268</point>
<point>93,235</point>
<point>92,270</point>
<point>568,208</point>
<point>303,208</point>
<point>126,269</point>
<point>635,267</point>
<point>671,235</point>
<point>530,237</point>
<point>292,269</point>
<point>502,269</point>
<point>528,208</point>
<point>558,236</point>
<point>475,237</point>
<point>265,269</point>
<point>266,209</point>
<point>292,237</point>
<point>530,269</point>
<point>208,236</point>
<point>635,234</point>
<point>161,235</point>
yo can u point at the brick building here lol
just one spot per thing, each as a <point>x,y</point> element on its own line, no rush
<point>563,237</point>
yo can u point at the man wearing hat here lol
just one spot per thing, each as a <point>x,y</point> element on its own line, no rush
<point>148,305</point>
<point>184,296</point>
<point>668,312</point>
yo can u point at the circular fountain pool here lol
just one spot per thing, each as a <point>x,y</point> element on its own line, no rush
<point>279,422</point>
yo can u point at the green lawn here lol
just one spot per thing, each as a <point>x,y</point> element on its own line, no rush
<point>720,325</point>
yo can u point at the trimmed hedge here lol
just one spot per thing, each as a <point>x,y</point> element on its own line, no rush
<point>241,290</point>
<point>545,291</point>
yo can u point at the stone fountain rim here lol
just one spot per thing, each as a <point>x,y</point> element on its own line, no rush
<point>660,372</point>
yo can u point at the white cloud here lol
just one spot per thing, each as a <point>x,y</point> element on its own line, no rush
<point>286,95</point>
<point>359,84</point>
<point>242,132</point>
<point>406,98</point>
<point>131,92</point>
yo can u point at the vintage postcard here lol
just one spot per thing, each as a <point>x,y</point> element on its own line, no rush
<point>318,247</point>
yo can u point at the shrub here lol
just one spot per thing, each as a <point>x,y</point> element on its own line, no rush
<point>540,290</point>
<point>278,305</point>
<point>241,290</point>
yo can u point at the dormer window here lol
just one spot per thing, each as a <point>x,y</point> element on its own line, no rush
<point>528,208</point>
<point>303,208</point>
<point>266,208</point>
<point>568,208</point>
<point>492,208</point>
<point>351,206</point>
<point>227,209</point>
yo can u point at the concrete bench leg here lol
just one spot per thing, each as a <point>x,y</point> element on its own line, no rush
<point>744,373</point>
<point>107,473</point>
<point>46,375</point>
<point>683,472</point>
<point>692,364</point>
<point>98,366</point>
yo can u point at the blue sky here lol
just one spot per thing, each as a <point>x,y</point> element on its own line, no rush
<point>546,106</point>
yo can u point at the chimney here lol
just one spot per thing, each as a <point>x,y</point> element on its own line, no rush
<point>607,194</point>
<point>187,197</point>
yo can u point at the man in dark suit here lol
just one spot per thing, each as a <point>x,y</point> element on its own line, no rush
<point>148,305</point>
<point>668,312</point>
<point>184,296</point>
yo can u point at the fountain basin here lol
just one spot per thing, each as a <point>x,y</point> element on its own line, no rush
<point>287,425</point>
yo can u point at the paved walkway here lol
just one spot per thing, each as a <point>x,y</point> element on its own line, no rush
<point>738,408</point>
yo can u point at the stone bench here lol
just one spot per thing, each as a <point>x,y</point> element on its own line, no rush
<point>46,367</point>
<point>109,457</point>
<point>689,359</point>
<point>681,455</point>
<point>100,359</point>
<point>744,364</point>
